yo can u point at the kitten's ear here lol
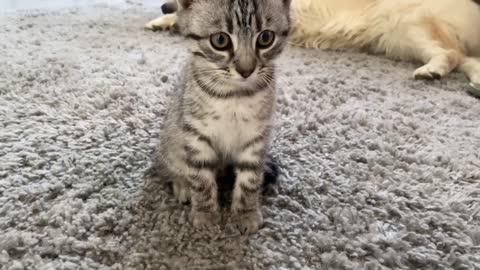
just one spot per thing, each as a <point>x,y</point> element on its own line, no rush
<point>185,4</point>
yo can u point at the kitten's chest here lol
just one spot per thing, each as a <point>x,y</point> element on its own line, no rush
<point>233,122</point>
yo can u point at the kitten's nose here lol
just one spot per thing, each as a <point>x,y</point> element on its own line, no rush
<point>245,72</point>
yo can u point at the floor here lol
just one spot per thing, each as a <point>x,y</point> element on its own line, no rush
<point>379,171</point>
<point>12,5</point>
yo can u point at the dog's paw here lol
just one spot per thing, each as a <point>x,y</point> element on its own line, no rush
<point>430,72</point>
<point>475,79</point>
<point>166,22</point>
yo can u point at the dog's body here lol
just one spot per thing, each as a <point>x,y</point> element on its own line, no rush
<point>442,34</point>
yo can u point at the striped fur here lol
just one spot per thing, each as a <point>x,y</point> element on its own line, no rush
<point>441,34</point>
<point>220,118</point>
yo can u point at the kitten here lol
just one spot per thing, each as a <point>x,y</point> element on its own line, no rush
<point>442,34</point>
<point>222,114</point>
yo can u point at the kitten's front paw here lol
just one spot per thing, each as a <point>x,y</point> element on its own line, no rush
<point>250,222</point>
<point>205,219</point>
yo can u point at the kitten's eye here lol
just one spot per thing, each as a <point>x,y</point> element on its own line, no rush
<point>220,41</point>
<point>265,39</point>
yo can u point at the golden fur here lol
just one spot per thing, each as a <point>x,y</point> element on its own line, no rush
<point>439,33</point>
<point>442,34</point>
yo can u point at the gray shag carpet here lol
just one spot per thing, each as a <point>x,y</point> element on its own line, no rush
<point>378,171</point>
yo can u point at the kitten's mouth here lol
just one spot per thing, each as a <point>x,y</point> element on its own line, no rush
<point>245,82</point>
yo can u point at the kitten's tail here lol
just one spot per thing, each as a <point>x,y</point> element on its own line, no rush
<point>271,173</point>
<point>169,7</point>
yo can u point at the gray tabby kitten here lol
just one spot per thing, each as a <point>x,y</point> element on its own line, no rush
<point>222,114</point>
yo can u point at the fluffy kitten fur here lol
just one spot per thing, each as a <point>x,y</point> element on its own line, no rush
<point>222,113</point>
<point>442,34</point>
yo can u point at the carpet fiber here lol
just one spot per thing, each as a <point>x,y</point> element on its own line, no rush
<point>378,171</point>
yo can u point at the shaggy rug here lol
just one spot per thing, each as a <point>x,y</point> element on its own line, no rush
<point>378,171</point>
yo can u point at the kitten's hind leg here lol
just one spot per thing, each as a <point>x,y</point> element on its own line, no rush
<point>181,191</point>
<point>165,22</point>
<point>437,48</point>
<point>471,67</point>
<point>162,171</point>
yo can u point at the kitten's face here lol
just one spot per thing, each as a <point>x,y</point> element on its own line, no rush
<point>236,40</point>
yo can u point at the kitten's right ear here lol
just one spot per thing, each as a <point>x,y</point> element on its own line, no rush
<point>185,4</point>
